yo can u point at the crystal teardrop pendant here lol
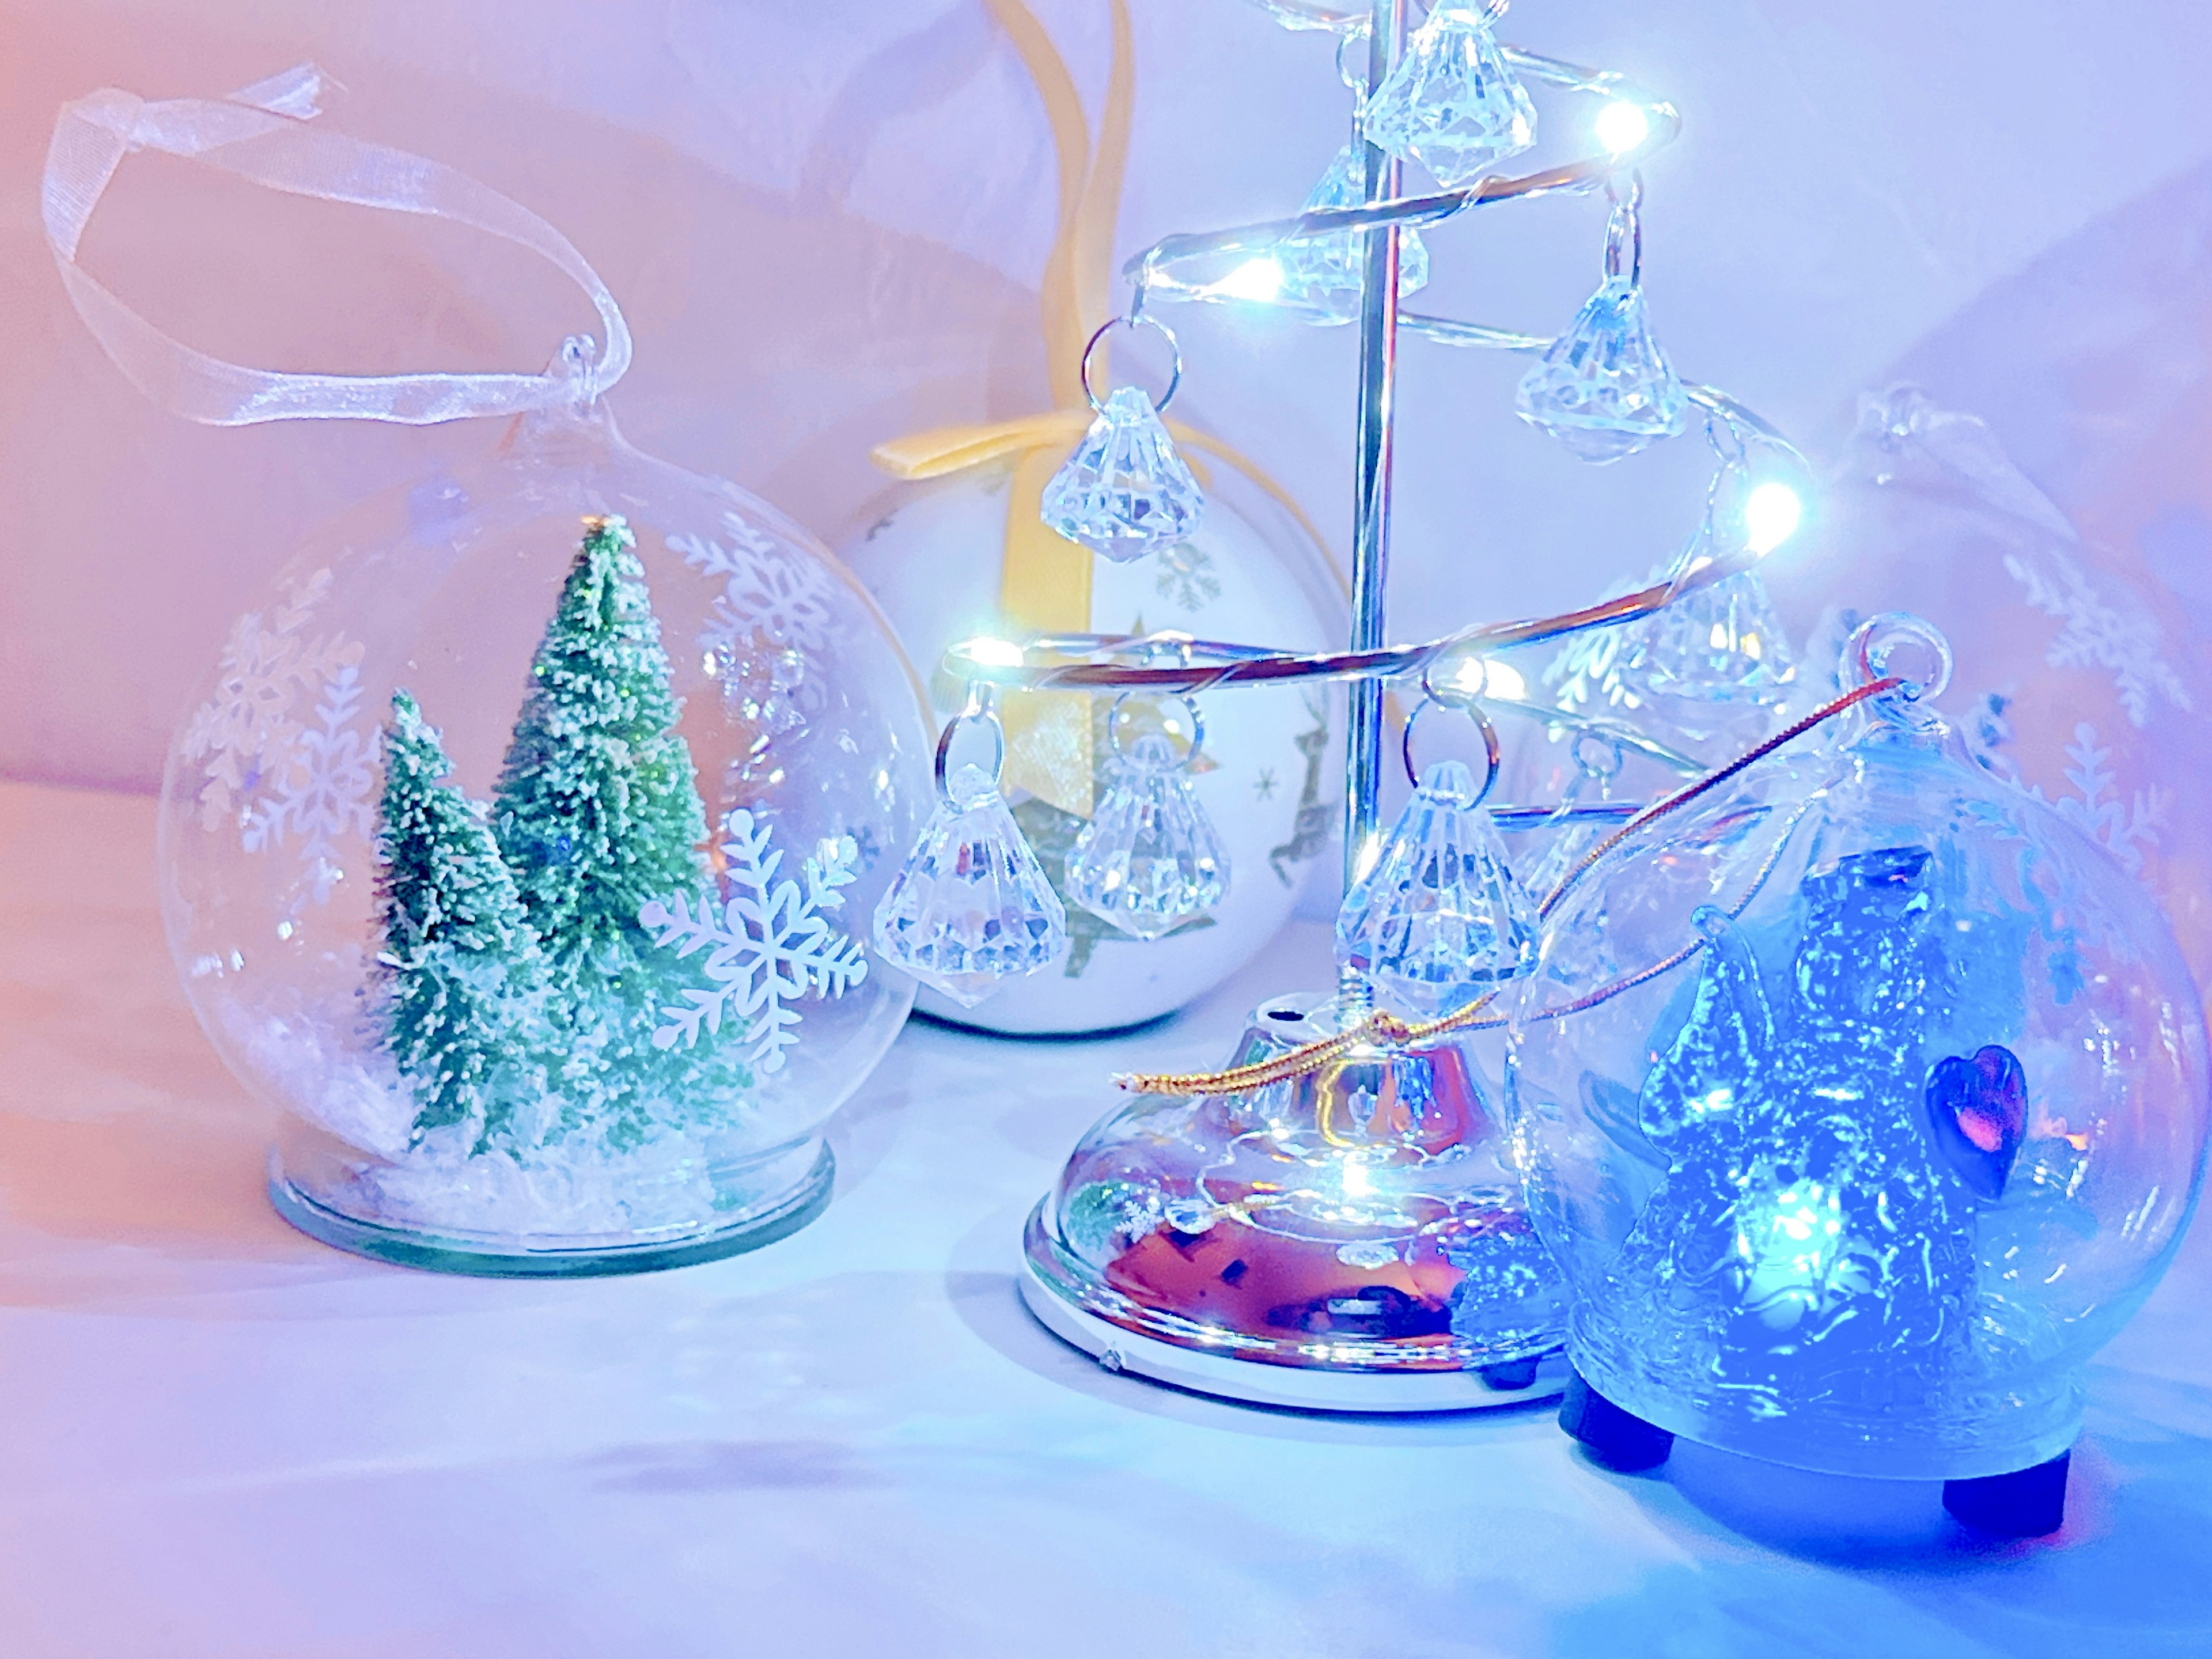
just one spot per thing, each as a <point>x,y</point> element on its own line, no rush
<point>1125,490</point>
<point>1605,388</point>
<point>1452,103</point>
<point>1724,642</point>
<point>1149,860</point>
<point>972,905</point>
<point>1439,917</point>
<point>1320,275</point>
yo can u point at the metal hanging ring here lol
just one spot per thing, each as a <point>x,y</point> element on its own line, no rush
<point>982,709</point>
<point>1135,320</point>
<point>1190,756</point>
<point>1493,757</point>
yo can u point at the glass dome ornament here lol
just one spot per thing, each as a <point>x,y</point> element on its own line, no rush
<point>1125,491</point>
<point>1149,860</point>
<point>515,849</point>
<point>1861,1101</point>
<point>1320,275</point>
<point>971,906</point>
<point>1452,103</point>
<point>507,848</point>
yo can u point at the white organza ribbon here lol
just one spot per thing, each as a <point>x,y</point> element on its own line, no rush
<point>262,133</point>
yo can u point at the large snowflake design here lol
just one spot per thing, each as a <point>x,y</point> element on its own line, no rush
<point>1186,576</point>
<point>278,777</point>
<point>767,943</point>
<point>323,795</point>
<point>2123,829</point>
<point>769,593</point>
<point>2093,633</point>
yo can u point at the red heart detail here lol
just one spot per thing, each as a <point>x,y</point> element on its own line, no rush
<point>1977,1115</point>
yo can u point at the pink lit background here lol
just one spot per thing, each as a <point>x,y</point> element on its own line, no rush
<point>826,223</point>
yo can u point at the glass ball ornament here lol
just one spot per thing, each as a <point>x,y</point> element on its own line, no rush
<point>2078,672</point>
<point>1269,780</point>
<point>520,848</point>
<point>1860,1102</point>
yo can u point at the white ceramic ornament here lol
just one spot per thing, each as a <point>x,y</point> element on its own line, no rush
<point>1271,777</point>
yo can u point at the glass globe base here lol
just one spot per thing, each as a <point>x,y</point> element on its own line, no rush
<point>1351,1237</point>
<point>762,1221</point>
<point>1053,1299</point>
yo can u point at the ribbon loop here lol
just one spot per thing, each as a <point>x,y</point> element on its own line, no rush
<point>261,134</point>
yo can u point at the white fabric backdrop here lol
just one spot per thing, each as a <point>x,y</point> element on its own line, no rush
<point>827,223</point>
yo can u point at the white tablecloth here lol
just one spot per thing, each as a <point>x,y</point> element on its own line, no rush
<point>219,1438</point>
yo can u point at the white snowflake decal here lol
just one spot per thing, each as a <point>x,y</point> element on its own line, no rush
<point>2094,634</point>
<point>2125,829</point>
<point>769,593</point>
<point>1186,576</point>
<point>323,793</point>
<point>767,943</point>
<point>278,777</point>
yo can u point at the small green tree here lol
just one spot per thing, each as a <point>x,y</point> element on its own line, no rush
<point>460,981</point>
<point>598,811</point>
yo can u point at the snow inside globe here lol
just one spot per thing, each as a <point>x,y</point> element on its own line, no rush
<point>519,849</point>
<point>1861,1101</point>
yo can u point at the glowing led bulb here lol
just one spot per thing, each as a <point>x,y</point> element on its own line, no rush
<point>1258,279</point>
<point>1622,127</point>
<point>1771,515</point>
<point>991,653</point>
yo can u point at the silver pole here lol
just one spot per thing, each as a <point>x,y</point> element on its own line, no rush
<point>1371,536</point>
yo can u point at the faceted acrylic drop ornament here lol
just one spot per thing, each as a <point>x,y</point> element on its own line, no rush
<point>1605,388</point>
<point>1452,103</point>
<point>972,906</point>
<point>1149,860</point>
<point>1125,490</point>
<point>1320,275</point>
<point>1439,918</point>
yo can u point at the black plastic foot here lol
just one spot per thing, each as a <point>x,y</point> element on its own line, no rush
<point>1510,1376</point>
<point>1619,1439</point>
<point>2025,1503</point>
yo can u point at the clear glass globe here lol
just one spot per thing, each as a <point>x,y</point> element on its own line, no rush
<point>1860,1101</point>
<point>520,848</point>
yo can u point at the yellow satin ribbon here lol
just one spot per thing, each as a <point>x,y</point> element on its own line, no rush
<point>1044,585</point>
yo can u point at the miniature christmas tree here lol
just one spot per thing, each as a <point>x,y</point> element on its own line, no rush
<point>598,813</point>
<point>460,977</point>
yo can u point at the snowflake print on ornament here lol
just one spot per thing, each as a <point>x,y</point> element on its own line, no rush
<point>768,944</point>
<point>280,778</point>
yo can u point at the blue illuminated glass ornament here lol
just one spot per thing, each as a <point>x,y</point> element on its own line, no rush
<point>1125,489</point>
<point>1438,918</point>
<point>1320,275</point>
<point>1149,860</point>
<point>972,906</point>
<point>1605,388</point>
<point>1452,103</point>
<point>1864,1099</point>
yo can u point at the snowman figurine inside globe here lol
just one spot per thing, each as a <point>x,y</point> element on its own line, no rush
<point>1860,1102</point>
